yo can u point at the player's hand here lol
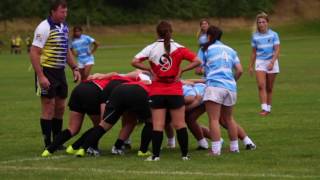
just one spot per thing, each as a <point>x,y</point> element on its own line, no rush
<point>270,66</point>
<point>251,71</point>
<point>44,82</point>
<point>76,75</point>
<point>96,76</point>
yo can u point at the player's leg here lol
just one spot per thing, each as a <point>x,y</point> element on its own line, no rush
<point>213,111</point>
<point>226,112</point>
<point>271,77</point>
<point>261,82</point>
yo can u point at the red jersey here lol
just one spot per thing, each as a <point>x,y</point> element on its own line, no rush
<point>165,67</point>
<point>102,83</point>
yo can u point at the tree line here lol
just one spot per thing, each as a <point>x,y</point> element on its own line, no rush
<point>115,12</point>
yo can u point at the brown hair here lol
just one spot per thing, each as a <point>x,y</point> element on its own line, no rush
<point>215,34</point>
<point>54,4</point>
<point>262,15</point>
<point>164,31</point>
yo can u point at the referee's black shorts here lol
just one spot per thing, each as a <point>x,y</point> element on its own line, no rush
<point>85,98</point>
<point>58,83</point>
<point>127,97</point>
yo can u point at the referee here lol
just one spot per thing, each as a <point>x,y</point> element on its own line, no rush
<point>49,55</point>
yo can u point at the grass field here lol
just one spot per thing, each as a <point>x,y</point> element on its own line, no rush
<point>288,145</point>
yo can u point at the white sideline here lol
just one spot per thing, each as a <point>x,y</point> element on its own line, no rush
<point>174,173</point>
<point>32,159</point>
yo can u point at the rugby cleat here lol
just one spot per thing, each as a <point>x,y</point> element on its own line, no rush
<point>251,146</point>
<point>70,150</point>
<point>153,158</point>
<point>142,154</point>
<point>93,152</point>
<point>116,151</point>
<point>186,158</point>
<point>46,153</point>
<point>80,153</point>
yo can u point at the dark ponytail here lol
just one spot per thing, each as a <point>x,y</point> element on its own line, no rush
<point>164,30</point>
<point>214,33</point>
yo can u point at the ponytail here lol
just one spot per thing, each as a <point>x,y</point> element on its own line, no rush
<point>164,30</point>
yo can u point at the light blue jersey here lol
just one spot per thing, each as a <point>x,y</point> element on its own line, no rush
<point>202,39</point>
<point>82,47</point>
<point>264,44</point>
<point>196,89</point>
<point>219,61</point>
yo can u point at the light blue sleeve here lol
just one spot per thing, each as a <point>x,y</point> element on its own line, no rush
<point>201,56</point>
<point>89,39</point>
<point>253,42</point>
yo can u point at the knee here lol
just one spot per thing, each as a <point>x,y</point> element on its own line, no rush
<point>59,109</point>
<point>261,87</point>
<point>269,89</point>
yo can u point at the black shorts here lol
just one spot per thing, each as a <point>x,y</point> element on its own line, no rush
<point>58,83</point>
<point>85,98</point>
<point>106,92</point>
<point>166,101</point>
<point>127,97</point>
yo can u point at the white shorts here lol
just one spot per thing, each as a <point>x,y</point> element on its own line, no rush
<point>82,65</point>
<point>220,95</point>
<point>262,65</point>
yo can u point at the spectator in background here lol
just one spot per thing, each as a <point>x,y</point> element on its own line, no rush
<point>18,44</point>
<point>28,43</point>
<point>265,53</point>
<point>13,44</point>
<point>83,47</point>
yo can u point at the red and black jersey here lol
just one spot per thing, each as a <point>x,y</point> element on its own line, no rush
<point>166,67</point>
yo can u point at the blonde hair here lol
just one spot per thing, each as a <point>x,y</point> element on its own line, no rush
<point>262,15</point>
<point>200,30</point>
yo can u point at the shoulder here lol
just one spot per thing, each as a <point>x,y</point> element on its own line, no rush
<point>43,26</point>
<point>273,32</point>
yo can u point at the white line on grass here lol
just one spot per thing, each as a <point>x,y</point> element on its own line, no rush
<point>173,173</point>
<point>32,159</point>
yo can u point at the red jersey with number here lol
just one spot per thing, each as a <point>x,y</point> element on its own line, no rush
<point>166,67</point>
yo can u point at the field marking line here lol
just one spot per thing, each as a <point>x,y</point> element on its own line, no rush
<point>174,173</point>
<point>33,159</point>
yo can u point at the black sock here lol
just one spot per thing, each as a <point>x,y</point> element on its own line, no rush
<point>46,127</point>
<point>56,126</point>
<point>157,137</point>
<point>146,136</point>
<point>79,142</point>
<point>182,136</point>
<point>93,137</point>
<point>119,143</point>
<point>61,138</point>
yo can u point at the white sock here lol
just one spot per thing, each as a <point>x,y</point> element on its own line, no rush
<point>246,140</point>
<point>203,143</point>
<point>221,141</point>
<point>234,147</point>
<point>216,147</point>
<point>269,108</point>
<point>172,142</point>
<point>264,107</point>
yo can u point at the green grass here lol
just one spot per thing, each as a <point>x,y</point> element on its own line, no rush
<point>288,140</point>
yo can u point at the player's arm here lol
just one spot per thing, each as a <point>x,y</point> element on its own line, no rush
<point>35,53</point>
<point>252,60</point>
<point>275,56</point>
<point>194,63</point>
<point>72,64</point>
<point>238,71</point>
<point>138,63</point>
<point>95,46</point>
